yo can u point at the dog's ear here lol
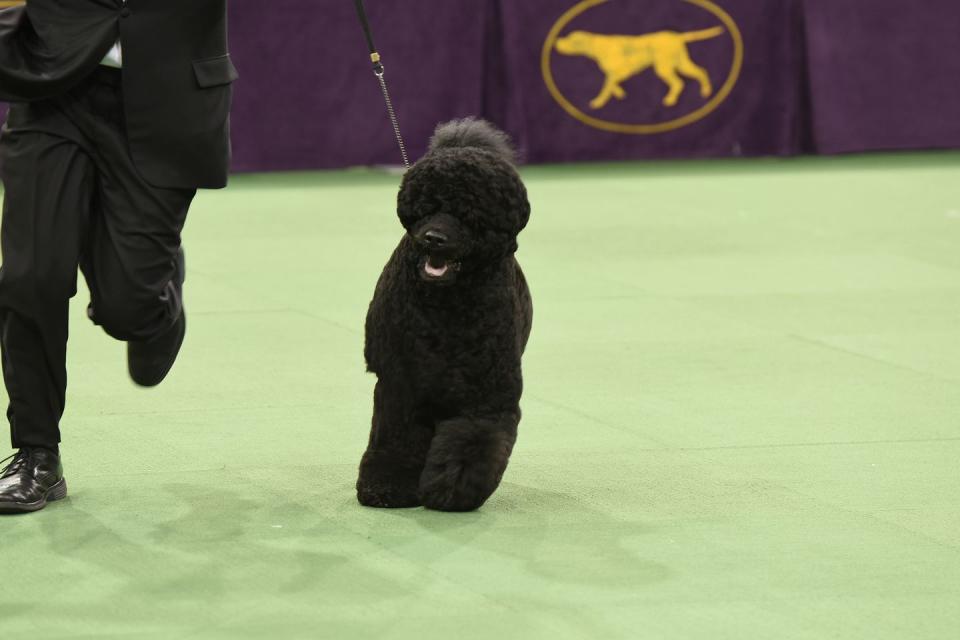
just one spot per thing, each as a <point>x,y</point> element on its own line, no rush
<point>411,189</point>
<point>522,207</point>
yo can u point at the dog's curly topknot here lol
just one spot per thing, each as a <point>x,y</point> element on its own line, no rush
<point>473,132</point>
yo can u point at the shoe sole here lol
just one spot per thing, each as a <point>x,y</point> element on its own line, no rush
<point>54,493</point>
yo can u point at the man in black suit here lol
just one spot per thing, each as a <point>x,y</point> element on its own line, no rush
<point>120,113</point>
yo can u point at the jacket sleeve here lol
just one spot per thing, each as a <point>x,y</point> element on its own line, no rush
<point>30,70</point>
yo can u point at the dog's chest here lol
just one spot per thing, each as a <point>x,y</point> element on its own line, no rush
<point>453,348</point>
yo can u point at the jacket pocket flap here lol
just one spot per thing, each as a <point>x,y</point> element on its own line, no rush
<point>212,72</point>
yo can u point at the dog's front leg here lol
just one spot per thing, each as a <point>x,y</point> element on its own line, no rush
<point>467,459</point>
<point>393,462</point>
<point>611,88</point>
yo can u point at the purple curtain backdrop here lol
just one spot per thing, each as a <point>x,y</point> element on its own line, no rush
<point>884,74</point>
<point>817,76</point>
<point>307,97</point>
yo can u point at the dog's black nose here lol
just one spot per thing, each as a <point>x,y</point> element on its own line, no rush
<point>435,239</point>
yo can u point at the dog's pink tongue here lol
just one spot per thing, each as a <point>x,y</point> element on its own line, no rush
<point>436,272</point>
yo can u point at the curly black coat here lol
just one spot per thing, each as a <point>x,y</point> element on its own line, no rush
<point>449,321</point>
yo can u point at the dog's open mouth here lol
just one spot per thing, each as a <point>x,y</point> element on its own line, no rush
<point>439,268</point>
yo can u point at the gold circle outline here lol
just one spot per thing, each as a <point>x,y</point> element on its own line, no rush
<point>641,129</point>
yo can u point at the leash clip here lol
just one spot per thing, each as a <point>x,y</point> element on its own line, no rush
<point>377,65</point>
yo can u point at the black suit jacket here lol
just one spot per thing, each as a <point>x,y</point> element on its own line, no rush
<point>177,75</point>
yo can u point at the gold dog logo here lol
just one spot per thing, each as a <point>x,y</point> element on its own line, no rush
<point>621,57</point>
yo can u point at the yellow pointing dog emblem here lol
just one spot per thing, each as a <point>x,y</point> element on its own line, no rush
<point>622,57</point>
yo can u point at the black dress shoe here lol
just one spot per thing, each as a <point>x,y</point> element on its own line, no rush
<point>150,362</point>
<point>34,478</point>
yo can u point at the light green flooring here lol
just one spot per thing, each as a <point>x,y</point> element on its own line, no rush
<point>742,420</point>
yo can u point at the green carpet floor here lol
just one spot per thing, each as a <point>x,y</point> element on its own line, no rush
<point>742,420</point>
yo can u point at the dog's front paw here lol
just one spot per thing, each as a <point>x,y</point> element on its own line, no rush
<point>464,468</point>
<point>457,487</point>
<point>386,497</point>
<point>386,482</point>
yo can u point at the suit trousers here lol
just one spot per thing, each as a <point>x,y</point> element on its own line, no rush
<point>73,198</point>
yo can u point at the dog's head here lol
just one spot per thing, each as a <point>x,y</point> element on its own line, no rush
<point>576,43</point>
<point>463,203</point>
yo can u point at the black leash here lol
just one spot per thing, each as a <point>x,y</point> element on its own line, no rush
<point>379,72</point>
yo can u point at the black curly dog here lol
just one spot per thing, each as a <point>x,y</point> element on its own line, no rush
<point>447,326</point>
